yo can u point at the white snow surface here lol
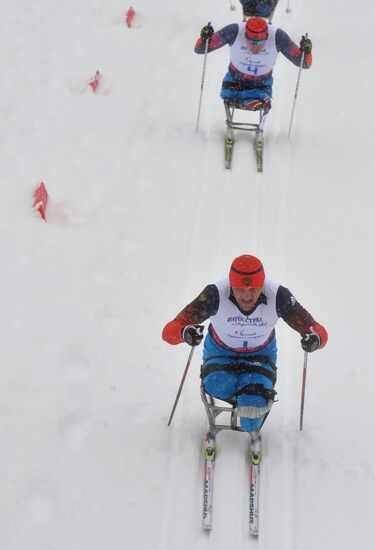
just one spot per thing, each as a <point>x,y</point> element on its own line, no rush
<point>142,215</point>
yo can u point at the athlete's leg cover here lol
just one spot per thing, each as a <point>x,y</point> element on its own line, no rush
<point>220,384</point>
<point>246,92</point>
<point>245,384</point>
<point>258,8</point>
<point>238,380</point>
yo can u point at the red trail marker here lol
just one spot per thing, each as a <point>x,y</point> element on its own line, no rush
<point>94,83</point>
<point>130,14</point>
<point>41,200</point>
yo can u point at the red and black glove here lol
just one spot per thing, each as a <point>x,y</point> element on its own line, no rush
<point>193,334</point>
<point>207,32</point>
<point>305,45</point>
<point>314,339</point>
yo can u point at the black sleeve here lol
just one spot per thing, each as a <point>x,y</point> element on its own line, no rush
<point>291,311</point>
<point>290,50</point>
<point>226,35</point>
<point>285,301</point>
<point>202,307</point>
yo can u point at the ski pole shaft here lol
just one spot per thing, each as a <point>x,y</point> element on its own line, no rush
<point>296,92</point>
<point>231,5</point>
<point>202,81</point>
<point>303,390</point>
<point>181,384</point>
<point>288,8</point>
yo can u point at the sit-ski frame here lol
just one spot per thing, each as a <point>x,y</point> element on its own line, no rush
<point>213,410</point>
<point>230,107</point>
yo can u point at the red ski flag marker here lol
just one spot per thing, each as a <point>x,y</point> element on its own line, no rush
<point>130,14</point>
<point>40,200</point>
<point>94,83</point>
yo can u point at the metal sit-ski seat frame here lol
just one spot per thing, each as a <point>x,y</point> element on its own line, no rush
<point>213,410</point>
<point>230,107</point>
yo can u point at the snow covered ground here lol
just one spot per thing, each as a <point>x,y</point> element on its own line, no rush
<point>142,215</point>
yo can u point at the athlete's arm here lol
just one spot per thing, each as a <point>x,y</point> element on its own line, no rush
<point>296,316</point>
<point>290,50</point>
<point>199,310</point>
<point>226,35</point>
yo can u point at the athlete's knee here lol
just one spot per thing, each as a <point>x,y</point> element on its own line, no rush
<point>220,384</point>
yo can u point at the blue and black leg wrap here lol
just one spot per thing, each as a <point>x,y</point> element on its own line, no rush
<point>242,379</point>
<point>243,92</point>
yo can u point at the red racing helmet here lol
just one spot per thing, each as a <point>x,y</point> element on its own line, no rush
<point>256,29</point>
<point>246,272</point>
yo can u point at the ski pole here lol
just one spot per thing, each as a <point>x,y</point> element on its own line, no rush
<point>288,8</point>
<point>296,91</point>
<point>231,5</point>
<point>303,390</point>
<point>202,81</point>
<point>181,385</point>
